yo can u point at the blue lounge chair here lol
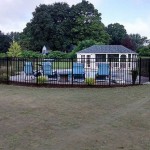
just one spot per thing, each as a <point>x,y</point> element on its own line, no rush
<point>47,70</point>
<point>28,70</point>
<point>78,72</point>
<point>103,72</point>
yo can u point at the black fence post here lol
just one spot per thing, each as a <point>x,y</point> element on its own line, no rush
<point>140,67</point>
<point>36,70</point>
<point>72,71</point>
<point>149,68</point>
<point>58,61</point>
<point>7,70</point>
<point>109,71</point>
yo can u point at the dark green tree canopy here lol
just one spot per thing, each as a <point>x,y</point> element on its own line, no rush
<point>82,45</point>
<point>49,27</point>
<point>14,36</point>
<point>4,42</point>
<point>60,26</point>
<point>86,23</point>
<point>144,51</point>
<point>117,33</point>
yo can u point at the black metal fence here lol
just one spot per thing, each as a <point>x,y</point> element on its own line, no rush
<point>74,72</point>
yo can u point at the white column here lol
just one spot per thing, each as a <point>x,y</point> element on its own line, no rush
<point>119,60</point>
<point>92,61</point>
<point>127,61</point>
<point>94,56</point>
<point>85,61</point>
<point>132,61</point>
<point>106,58</point>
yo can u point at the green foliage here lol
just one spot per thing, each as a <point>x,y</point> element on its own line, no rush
<point>62,65</point>
<point>14,50</point>
<point>129,43</point>
<point>82,45</point>
<point>15,36</point>
<point>72,54</point>
<point>4,42</point>
<point>59,26</point>
<point>117,33</point>
<point>86,23</point>
<point>56,54</point>
<point>42,79</point>
<point>2,55</point>
<point>144,51</point>
<point>25,40</point>
<point>85,44</point>
<point>134,41</point>
<point>137,40</point>
<point>49,27</point>
<point>31,54</point>
<point>90,81</point>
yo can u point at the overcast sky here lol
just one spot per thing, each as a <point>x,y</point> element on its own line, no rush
<point>133,14</point>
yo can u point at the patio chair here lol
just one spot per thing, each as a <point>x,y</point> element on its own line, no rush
<point>28,70</point>
<point>48,71</point>
<point>78,72</point>
<point>103,72</point>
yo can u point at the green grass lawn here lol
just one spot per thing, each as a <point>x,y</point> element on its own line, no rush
<point>62,65</point>
<point>74,119</point>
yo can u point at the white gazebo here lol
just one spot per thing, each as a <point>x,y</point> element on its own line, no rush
<point>120,56</point>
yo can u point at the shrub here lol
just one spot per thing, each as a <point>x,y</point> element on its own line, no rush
<point>90,81</point>
<point>2,55</point>
<point>144,51</point>
<point>82,45</point>
<point>14,50</point>
<point>72,54</point>
<point>85,44</point>
<point>31,54</point>
<point>42,79</point>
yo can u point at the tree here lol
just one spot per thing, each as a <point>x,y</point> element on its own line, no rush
<point>86,23</point>
<point>59,26</point>
<point>134,41</point>
<point>14,50</point>
<point>117,33</point>
<point>4,42</point>
<point>85,44</point>
<point>82,45</point>
<point>138,40</point>
<point>129,43</point>
<point>49,26</point>
<point>25,41</point>
<point>144,51</point>
<point>14,36</point>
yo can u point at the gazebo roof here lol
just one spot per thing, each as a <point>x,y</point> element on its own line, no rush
<point>107,49</point>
